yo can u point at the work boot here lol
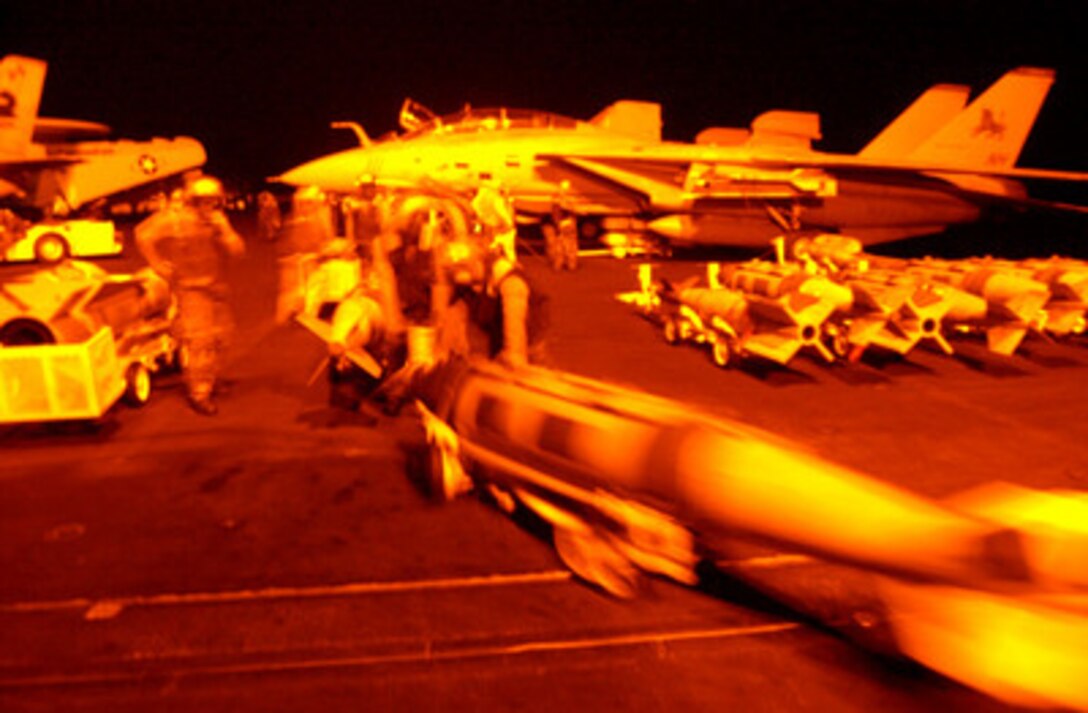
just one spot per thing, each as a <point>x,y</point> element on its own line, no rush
<point>203,405</point>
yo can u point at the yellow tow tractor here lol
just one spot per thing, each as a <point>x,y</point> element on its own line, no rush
<point>75,339</point>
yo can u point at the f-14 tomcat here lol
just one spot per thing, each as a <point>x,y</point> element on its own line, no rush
<point>988,588</point>
<point>58,166</point>
<point>942,162</point>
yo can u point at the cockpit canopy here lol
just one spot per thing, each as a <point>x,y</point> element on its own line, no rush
<point>417,120</point>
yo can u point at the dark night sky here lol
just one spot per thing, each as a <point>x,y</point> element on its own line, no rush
<point>258,83</point>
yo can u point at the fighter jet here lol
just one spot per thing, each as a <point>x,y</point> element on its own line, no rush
<point>942,162</point>
<point>58,166</point>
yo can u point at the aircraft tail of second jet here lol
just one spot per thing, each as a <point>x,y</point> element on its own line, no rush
<point>21,82</point>
<point>940,129</point>
<point>989,134</point>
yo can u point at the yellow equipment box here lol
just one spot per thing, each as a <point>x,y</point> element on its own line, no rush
<point>57,382</point>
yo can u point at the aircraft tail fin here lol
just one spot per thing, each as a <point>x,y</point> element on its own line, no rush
<point>635,118</point>
<point>991,131</point>
<point>21,82</point>
<point>922,119</point>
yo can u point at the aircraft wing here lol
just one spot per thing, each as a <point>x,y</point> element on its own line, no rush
<point>680,157</point>
<point>673,181</point>
<point>19,176</point>
<point>49,130</point>
<point>830,162</point>
<point>671,178</point>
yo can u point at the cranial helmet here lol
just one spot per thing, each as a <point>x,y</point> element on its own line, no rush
<point>466,261</point>
<point>309,196</point>
<point>205,189</point>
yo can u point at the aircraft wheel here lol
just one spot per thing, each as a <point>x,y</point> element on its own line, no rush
<point>721,352</point>
<point>137,384</point>
<point>51,248</point>
<point>671,331</point>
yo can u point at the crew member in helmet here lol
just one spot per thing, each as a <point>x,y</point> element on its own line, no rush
<point>492,293</point>
<point>564,253</point>
<point>495,213</point>
<point>269,218</point>
<point>190,247</point>
<point>306,237</point>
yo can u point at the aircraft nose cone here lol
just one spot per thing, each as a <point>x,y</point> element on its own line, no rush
<point>304,175</point>
<point>337,173</point>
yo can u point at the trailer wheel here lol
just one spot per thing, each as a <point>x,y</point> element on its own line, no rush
<point>51,248</point>
<point>840,344</point>
<point>721,352</point>
<point>137,384</point>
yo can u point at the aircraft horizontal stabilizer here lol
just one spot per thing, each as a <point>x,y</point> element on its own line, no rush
<point>49,130</point>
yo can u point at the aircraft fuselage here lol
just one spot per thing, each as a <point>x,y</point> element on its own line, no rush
<point>682,193</point>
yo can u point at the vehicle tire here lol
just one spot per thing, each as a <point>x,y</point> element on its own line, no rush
<point>51,248</point>
<point>137,384</point>
<point>671,331</point>
<point>721,351</point>
<point>24,332</point>
<point>839,344</point>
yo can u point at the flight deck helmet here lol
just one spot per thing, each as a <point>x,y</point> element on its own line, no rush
<point>205,194</point>
<point>308,198</point>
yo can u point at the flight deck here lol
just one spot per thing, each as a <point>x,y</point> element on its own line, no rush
<point>283,555</point>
